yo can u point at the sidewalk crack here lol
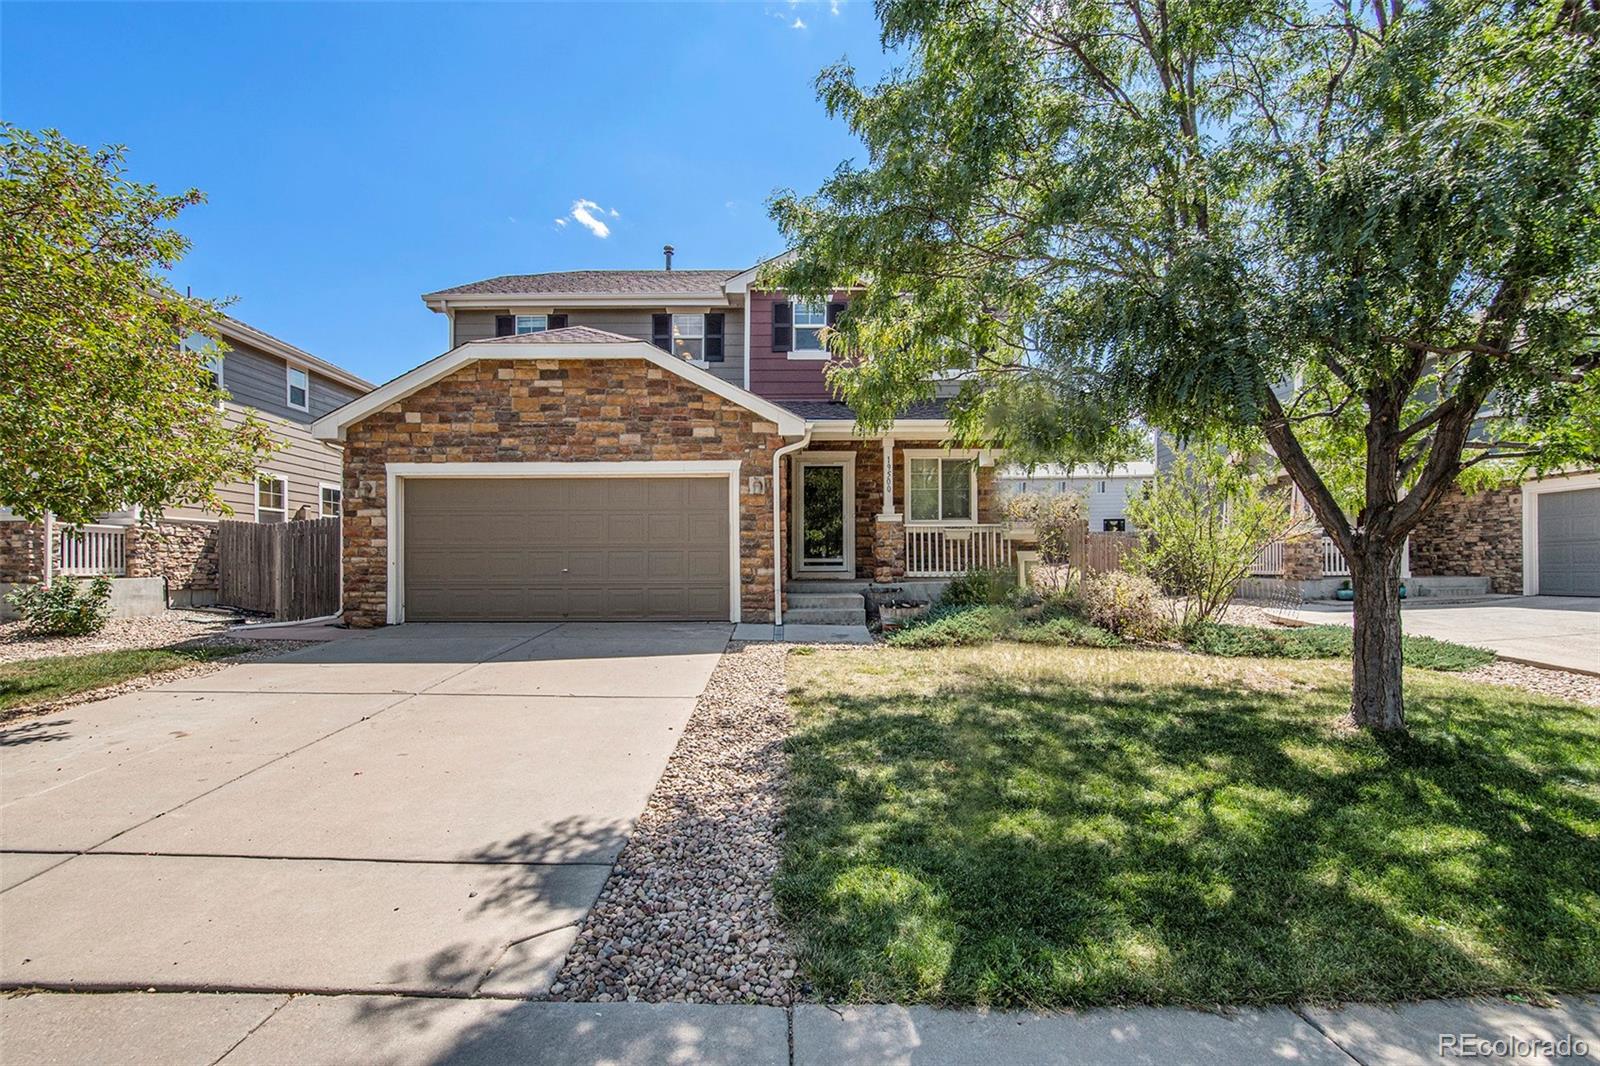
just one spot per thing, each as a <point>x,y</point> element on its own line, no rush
<point>1329,1037</point>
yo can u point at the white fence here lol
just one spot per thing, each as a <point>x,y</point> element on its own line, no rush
<point>1269,561</point>
<point>945,551</point>
<point>94,550</point>
<point>1333,560</point>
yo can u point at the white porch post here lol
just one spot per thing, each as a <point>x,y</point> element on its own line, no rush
<point>888,475</point>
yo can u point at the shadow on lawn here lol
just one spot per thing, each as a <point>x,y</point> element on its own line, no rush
<point>1038,843</point>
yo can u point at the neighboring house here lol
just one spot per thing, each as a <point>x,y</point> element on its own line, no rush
<point>1105,493</point>
<point>282,385</point>
<point>642,444</point>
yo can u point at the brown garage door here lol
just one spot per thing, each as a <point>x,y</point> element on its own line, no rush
<point>501,549</point>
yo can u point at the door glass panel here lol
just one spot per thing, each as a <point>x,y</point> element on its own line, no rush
<point>822,518</point>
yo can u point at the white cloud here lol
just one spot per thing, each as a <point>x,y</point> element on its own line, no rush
<point>833,7</point>
<point>615,213</point>
<point>798,24</point>
<point>585,213</point>
<point>561,223</point>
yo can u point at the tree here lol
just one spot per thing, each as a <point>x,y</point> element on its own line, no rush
<point>105,405</point>
<point>1343,228</point>
<point>1201,524</point>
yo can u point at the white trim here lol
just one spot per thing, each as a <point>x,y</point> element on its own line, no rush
<point>332,426</point>
<point>289,370</point>
<point>847,460</point>
<point>887,447</point>
<point>496,301</point>
<point>741,282</point>
<point>336,488</point>
<point>518,316</point>
<point>1531,490</point>
<point>240,331</point>
<point>795,352</point>
<point>974,454</point>
<point>397,474</point>
<point>281,479</point>
<point>911,428</point>
<point>745,355</point>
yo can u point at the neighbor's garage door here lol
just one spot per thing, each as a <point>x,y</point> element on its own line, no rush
<point>1569,543</point>
<point>497,549</point>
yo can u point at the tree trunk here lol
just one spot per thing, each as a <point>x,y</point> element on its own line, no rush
<point>1376,701</point>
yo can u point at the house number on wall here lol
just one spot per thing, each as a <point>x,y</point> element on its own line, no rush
<point>758,486</point>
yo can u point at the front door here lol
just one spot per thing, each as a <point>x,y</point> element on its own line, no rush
<point>824,514</point>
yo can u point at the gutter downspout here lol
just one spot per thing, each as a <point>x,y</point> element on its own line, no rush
<point>777,523</point>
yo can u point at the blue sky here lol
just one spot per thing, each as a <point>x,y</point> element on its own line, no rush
<point>357,155</point>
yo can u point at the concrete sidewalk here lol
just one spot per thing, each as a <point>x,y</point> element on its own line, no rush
<point>1562,632</point>
<point>245,1030</point>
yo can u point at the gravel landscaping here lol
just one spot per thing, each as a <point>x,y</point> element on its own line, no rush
<point>1562,683</point>
<point>193,628</point>
<point>688,912</point>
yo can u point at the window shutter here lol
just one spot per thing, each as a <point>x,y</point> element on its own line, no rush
<point>714,337</point>
<point>661,332</point>
<point>555,322</point>
<point>782,326</point>
<point>834,311</point>
<point>505,325</point>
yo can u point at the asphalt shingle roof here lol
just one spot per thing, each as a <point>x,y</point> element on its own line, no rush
<point>566,335</point>
<point>599,282</point>
<point>832,411</point>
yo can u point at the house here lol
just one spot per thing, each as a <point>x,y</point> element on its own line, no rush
<point>173,560</point>
<point>643,444</point>
<point>1105,492</point>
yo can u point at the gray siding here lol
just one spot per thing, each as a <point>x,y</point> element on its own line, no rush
<point>630,322</point>
<point>255,379</point>
<point>1112,503</point>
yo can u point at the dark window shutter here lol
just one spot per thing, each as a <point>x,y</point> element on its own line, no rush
<point>834,311</point>
<point>714,326</point>
<point>555,322</point>
<point>661,332</point>
<point>782,326</point>
<point>505,325</point>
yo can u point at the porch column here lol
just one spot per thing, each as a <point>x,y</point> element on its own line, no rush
<point>888,531</point>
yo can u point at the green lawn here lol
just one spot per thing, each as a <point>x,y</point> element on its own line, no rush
<point>44,680</point>
<point>1016,825</point>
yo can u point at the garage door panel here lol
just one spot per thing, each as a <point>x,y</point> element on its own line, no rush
<point>1569,543</point>
<point>553,548</point>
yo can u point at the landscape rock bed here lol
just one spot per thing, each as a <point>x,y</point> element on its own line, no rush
<point>193,628</point>
<point>1565,684</point>
<point>688,912</point>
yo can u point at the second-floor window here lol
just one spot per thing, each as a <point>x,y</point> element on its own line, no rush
<point>1114,525</point>
<point>532,323</point>
<point>689,337</point>
<point>810,317</point>
<point>299,389</point>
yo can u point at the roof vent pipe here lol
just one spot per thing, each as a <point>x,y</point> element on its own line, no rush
<point>667,251</point>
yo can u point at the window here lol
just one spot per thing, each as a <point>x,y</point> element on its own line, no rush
<point>1100,487</point>
<point>532,323</point>
<point>689,337</point>
<point>330,499</point>
<point>939,489</point>
<point>272,498</point>
<point>1114,525</point>
<point>299,389</point>
<point>810,316</point>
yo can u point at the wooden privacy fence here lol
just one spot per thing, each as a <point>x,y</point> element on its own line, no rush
<point>286,569</point>
<point>1096,553</point>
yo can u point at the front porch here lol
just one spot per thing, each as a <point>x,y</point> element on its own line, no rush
<point>891,509</point>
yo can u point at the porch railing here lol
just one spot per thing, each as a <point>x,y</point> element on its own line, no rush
<point>91,551</point>
<point>1269,561</point>
<point>949,550</point>
<point>1333,560</point>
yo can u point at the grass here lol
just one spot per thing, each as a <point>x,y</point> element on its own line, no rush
<point>33,681</point>
<point>1325,642</point>
<point>1049,827</point>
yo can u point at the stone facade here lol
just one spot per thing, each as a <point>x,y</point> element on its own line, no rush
<point>1476,535</point>
<point>552,410</point>
<point>1302,558</point>
<point>21,553</point>
<point>182,551</point>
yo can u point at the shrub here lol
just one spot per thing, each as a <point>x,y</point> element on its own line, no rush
<point>1324,642</point>
<point>1064,630</point>
<point>1056,518</point>
<point>64,608</point>
<point>1128,605</point>
<point>977,587</point>
<point>952,625</point>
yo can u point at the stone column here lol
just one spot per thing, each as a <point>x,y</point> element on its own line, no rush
<point>888,549</point>
<point>1302,558</point>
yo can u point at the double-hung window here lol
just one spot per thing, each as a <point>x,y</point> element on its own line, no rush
<point>299,389</point>
<point>330,497</point>
<point>532,323</point>
<point>940,489</point>
<point>810,318</point>
<point>689,337</point>
<point>272,498</point>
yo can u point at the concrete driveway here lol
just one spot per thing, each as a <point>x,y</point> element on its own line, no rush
<point>1558,631</point>
<point>428,809</point>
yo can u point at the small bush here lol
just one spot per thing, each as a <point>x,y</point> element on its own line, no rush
<point>981,587</point>
<point>64,608</point>
<point>1323,642</point>
<point>1128,605</point>
<point>1066,631</point>
<point>952,625</point>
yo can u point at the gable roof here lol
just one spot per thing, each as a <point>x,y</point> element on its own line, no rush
<point>594,282</point>
<point>229,328</point>
<point>576,342</point>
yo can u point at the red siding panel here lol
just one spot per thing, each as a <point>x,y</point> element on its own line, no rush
<point>773,374</point>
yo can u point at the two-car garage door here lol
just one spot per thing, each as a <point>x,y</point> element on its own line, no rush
<point>510,549</point>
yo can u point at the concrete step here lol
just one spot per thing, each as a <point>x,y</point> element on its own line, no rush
<point>825,616</point>
<point>824,585</point>
<point>845,600</point>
